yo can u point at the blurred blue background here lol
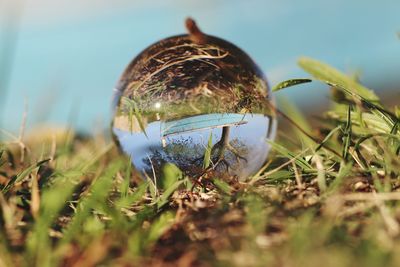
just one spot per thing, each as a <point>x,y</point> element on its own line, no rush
<point>63,57</point>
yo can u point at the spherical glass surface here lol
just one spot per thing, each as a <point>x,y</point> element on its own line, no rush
<point>204,106</point>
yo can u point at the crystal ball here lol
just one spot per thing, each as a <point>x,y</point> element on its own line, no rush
<point>196,101</point>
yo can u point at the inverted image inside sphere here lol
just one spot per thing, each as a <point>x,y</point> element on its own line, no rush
<point>202,105</point>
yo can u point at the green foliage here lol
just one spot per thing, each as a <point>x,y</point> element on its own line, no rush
<point>328,193</point>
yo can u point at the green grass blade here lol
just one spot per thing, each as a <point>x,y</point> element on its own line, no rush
<point>326,73</point>
<point>125,183</point>
<point>160,226</point>
<point>127,200</point>
<point>347,134</point>
<point>96,199</point>
<point>170,175</point>
<point>132,106</point>
<point>222,186</point>
<point>207,154</point>
<point>327,137</point>
<point>53,200</point>
<point>288,154</point>
<point>19,177</point>
<point>289,83</point>
<point>167,194</point>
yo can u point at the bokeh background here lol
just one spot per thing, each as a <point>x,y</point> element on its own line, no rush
<point>59,60</point>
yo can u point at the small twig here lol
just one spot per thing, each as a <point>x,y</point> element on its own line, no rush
<point>154,175</point>
<point>263,168</point>
<point>300,185</point>
<point>321,177</point>
<point>53,147</point>
<point>196,35</point>
<point>35,197</point>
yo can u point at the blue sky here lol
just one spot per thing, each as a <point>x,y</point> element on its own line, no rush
<point>69,54</point>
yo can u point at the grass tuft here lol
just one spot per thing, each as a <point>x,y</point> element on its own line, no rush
<point>329,193</point>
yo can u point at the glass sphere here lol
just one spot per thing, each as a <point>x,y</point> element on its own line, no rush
<point>202,104</point>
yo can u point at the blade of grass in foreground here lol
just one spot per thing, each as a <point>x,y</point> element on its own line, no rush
<point>223,186</point>
<point>127,200</point>
<point>207,154</point>
<point>285,152</point>
<point>326,73</point>
<point>22,175</point>
<point>124,188</point>
<point>163,200</point>
<point>53,200</point>
<point>347,134</point>
<point>289,83</point>
<point>170,175</point>
<point>95,199</point>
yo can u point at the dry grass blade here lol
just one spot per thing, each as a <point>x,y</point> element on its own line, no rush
<point>35,197</point>
<point>266,174</point>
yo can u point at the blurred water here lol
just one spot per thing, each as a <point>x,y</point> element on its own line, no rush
<point>70,54</point>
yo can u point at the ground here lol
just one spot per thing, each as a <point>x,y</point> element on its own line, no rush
<point>327,195</point>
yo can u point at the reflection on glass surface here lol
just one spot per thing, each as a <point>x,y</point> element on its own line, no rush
<point>196,101</point>
<point>238,147</point>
